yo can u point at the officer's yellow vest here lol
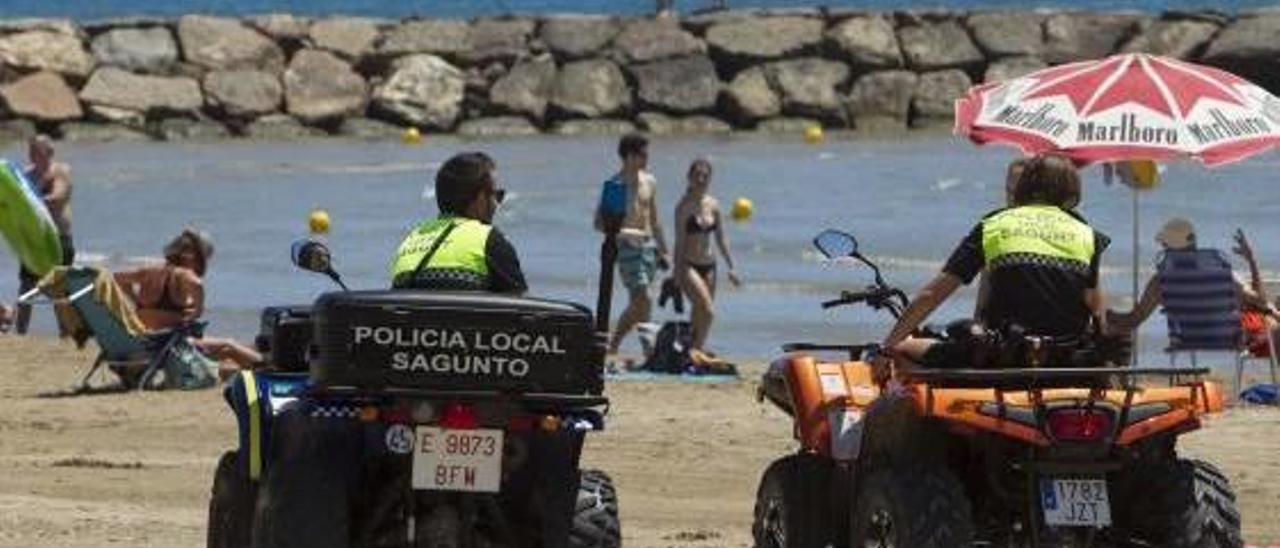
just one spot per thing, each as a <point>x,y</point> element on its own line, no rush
<point>1037,230</point>
<point>463,250</point>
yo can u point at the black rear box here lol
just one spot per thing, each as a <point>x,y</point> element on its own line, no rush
<point>455,341</point>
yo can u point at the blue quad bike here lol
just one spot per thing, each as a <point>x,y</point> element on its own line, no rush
<point>417,419</point>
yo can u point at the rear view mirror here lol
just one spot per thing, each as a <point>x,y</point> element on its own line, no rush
<point>835,244</point>
<point>313,255</point>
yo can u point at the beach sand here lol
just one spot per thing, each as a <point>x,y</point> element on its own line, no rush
<point>135,469</point>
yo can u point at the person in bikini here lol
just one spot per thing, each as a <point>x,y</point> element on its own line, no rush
<point>697,219</point>
<point>53,184</point>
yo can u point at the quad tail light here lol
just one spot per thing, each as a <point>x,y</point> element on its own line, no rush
<point>459,416</point>
<point>1080,424</point>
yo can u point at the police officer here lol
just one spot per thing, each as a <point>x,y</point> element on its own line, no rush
<point>459,249</point>
<point>1042,261</point>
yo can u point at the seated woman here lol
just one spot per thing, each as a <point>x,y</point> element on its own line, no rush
<point>171,295</point>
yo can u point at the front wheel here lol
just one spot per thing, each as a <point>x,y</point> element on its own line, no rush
<point>595,518</point>
<point>1183,504</point>
<point>230,505</point>
<point>915,507</point>
<point>791,509</point>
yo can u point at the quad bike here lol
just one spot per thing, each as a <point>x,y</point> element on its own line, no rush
<point>1021,457</point>
<point>417,419</point>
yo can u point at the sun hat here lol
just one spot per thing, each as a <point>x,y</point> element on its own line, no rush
<point>1178,233</point>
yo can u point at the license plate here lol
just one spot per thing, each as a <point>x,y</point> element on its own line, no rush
<point>457,460</point>
<point>1075,502</point>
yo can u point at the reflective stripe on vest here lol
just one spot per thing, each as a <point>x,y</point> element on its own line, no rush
<point>464,250</point>
<point>1037,234</point>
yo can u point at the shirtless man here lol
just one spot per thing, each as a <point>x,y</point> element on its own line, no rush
<point>53,182</point>
<point>641,247</point>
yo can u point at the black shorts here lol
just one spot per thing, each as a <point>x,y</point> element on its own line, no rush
<point>27,279</point>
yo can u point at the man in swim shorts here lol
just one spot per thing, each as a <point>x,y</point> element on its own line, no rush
<point>641,247</point>
<point>53,183</point>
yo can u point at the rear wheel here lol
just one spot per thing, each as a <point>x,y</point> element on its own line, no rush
<point>1182,504</point>
<point>595,517</point>
<point>791,509</point>
<point>918,507</point>
<point>230,505</point>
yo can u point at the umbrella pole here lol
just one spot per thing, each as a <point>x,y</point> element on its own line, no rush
<point>1136,253</point>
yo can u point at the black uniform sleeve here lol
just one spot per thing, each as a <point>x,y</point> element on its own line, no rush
<point>967,260</point>
<point>1100,243</point>
<point>505,275</point>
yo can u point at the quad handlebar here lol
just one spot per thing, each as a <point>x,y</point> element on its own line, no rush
<point>878,297</point>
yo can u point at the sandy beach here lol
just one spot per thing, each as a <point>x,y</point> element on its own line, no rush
<point>134,469</point>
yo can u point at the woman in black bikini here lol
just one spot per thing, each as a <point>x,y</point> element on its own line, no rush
<point>697,219</point>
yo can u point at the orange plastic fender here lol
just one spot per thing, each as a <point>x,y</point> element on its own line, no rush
<point>823,392</point>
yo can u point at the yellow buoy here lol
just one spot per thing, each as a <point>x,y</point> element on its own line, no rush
<point>318,221</point>
<point>742,209</point>
<point>411,136</point>
<point>813,135</point>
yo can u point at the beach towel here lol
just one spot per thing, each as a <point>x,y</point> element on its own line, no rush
<point>1261,394</point>
<point>105,291</point>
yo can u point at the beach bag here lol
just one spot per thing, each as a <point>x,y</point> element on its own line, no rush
<point>1261,394</point>
<point>186,368</point>
<point>671,348</point>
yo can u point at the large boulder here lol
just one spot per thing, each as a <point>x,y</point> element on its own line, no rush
<point>283,27</point>
<point>42,96</point>
<point>47,24</point>
<point>218,43</point>
<point>935,96</point>
<point>1012,67</point>
<point>1008,33</point>
<point>591,88</point>
<point>658,123</point>
<point>423,90</point>
<point>867,41</point>
<point>684,85</point>
<point>751,97</point>
<point>242,93</point>
<point>280,127</point>
<point>1179,38</point>
<point>45,50</point>
<point>577,36</point>
<point>1080,36</point>
<point>348,37</point>
<point>320,87</point>
<point>882,100</point>
<point>365,128</point>
<point>139,50</point>
<point>498,126</point>
<point>1247,39</point>
<point>434,36</point>
<point>118,88</point>
<point>526,88</point>
<point>807,87</point>
<point>652,39</point>
<point>499,40</point>
<point>764,39</point>
<point>932,46</point>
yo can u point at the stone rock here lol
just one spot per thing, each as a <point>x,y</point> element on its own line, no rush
<point>434,36</point>
<point>184,129</point>
<point>282,26</point>
<point>218,43</point>
<point>501,40</point>
<point>113,87</point>
<point>320,87</point>
<point>120,116</point>
<point>751,97</point>
<point>526,89</point>
<point>764,39</point>
<point>867,41</point>
<point>280,127</point>
<point>81,132</point>
<point>687,84</point>
<point>16,131</point>
<point>592,88</point>
<point>808,87</point>
<point>365,128</point>
<point>661,124</point>
<point>139,50</point>
<point>243,93</point>
<point>45,50</point>
<point>1079,36</point>
<point>1008,33</point>
<point>786,125</point>
<point>576,36</point>
<point>935,96</point>
<point>594,127</point>
<point>498,126</point>
<point>1012,67</point>
<point>938,45</point>
<point>423,90</point>
<point>1247,39</point>
<point>1181,39</point>
<point>652,39</point>
<point>43,96</point>
<point>882,100</point>
<point>349,37</point>
<point>47,24</point>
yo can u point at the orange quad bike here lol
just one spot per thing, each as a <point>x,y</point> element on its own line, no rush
<point>1033,456</point>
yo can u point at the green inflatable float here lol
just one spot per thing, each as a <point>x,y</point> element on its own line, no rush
<point>25,222</point>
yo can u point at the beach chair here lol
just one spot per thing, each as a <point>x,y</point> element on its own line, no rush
<point>1200,299</point>
<point>135,359</point>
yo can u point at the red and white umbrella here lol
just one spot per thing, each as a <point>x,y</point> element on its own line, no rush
<point>1129,106</point>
